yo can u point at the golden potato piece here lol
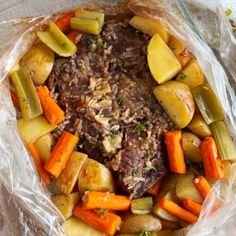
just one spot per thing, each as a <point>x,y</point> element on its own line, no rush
<point>180,50</point>
<point>38,61</point>
<point>199,127</point>
<point>44,146</point>
<point>161,60</point>
<point>150,27</point>
<point>191,75</point>
<point>66,203</point>
<point>136,223</point>
<point>95,176</point>
<point>186,189</point>
<point>76,227</point>
<point>191,148</point>
<point>177,100</point>
<point>67,180</point>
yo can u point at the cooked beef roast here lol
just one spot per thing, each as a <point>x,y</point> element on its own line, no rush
<point>106,93</point>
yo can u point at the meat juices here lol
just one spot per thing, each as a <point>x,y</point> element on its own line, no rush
<point>106,93</point>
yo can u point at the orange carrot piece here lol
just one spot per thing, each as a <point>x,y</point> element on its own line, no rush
<point>177,211</point>
<point>63,23</point>
<point>202,186</point>
<point>51,110</point>
<point>108,223</point>
<point>39,164</point>
<point>109,201</point>
<point>192,206</point>
<point>61,153</point>
<point>155,189</point>
<point>175,152</point>
<point>15,100</point>
<point>213,167</point>
<point>73,36</point>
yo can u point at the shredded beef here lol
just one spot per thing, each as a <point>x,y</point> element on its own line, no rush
<point>106,93</point>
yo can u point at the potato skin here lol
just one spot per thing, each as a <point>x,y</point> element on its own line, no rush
<point>136,223</point>
<point>38,61</point>
<point>177,100</point>
<point>95,176</point>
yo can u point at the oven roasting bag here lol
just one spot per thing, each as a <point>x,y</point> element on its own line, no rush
<point>25,206</point>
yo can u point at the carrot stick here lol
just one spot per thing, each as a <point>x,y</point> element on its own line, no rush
<point>61,153</point>
<point>175,152</point>
<point>192,206</point>
<point>202,186</point>
<point>51,110</point>
<point>15,100</point>
<point>108,223</point>
<point>177,211</point>
<point>213,167</point>
<point>110,201</point>
<point>39,164</point>
<point>155,189</point>
<point>73,36</point>
<point>63,23</point>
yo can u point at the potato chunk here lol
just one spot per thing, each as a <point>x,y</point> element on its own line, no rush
<point>161,60</point>
<point>177,100</point>
<point>66,203</point>
<point>150,27</point>
<point>191,75</point>
<point>95,176</point>
<point>38,61</point>
<point>69,176</point>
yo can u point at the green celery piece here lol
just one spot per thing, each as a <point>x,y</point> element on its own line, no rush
<point>85,25</point>
<point>26,92</point>
<point>89,15</point>
<point>142,205</point>
<point>224,142</point>
<point>33,129</point>
<point>208,103</point>
<point>57,41</point>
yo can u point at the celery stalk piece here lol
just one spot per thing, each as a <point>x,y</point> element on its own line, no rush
<point>85,25</point>
<point>208,103</point>
<point>33,129</point>
<point>142,205</point>
<point>26,92</point>
<point>89,15</point>
<point>57,41</point>
<point>224,142</point>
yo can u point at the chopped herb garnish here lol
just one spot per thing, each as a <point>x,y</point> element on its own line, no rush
<point>145,233</point>
<point>150,98</point>
<point>104,97</point>
<point>149,155</point>
<point>152,167</point>
<point>81,145</point>
<point>101,212</point>
<point>137,32</point>
<point>134,172</point>
<point>172,47</point>
<point>139,128</point>
<point>113,136</point>
<point>62,67</point>
<point>120,65</point>
<point>228,12</point>
<point>120,99</point>
<point>100,43</point>
<point>182,76</point>
<point>91,40</point>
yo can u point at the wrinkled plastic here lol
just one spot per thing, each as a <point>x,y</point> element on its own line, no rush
<point>25,207</point>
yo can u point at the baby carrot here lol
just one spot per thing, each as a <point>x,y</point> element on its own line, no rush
<point>61,153</point>
<point>108,222</point>
<point>51,110</point>
<point>154,190</point>
<point>192,206</point>
<point>73,36</point>
<point>202,186</point>
<point>213,167</point>
<point>177,211</point>
<point>63,23</point>
<point>39,164</point>
<point>175,151</point>
<point>110,201</point>
<point>15,100</point>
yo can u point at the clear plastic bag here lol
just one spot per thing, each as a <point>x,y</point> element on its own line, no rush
<point>21,193</point>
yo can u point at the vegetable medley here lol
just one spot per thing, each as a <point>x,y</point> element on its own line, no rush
<point>199,148</point>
